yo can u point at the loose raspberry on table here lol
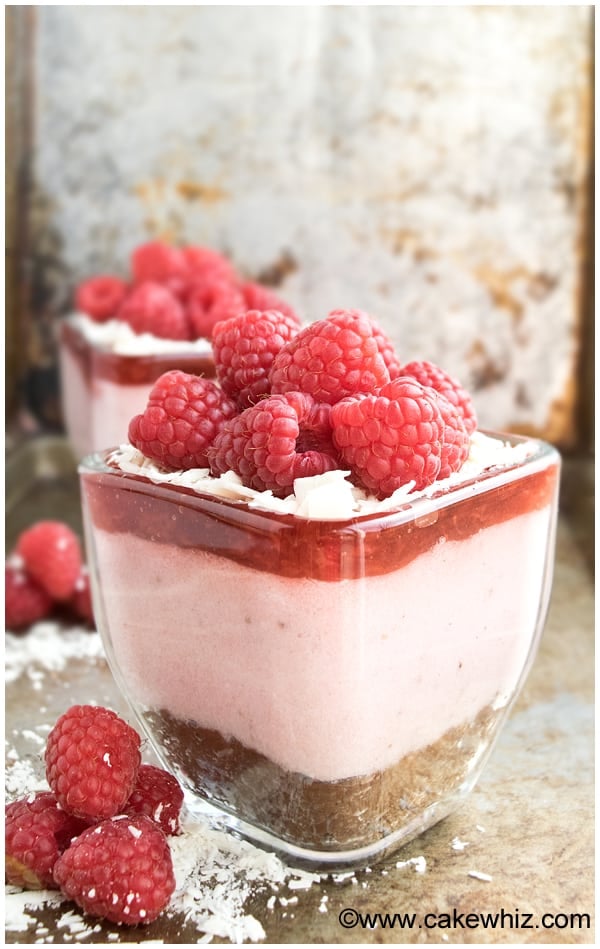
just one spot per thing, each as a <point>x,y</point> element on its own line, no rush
<point>244,348</point>
<point>331,359</point>
<point>183,417</point>
<point>390,438</point>
<point>36,831</point>
<point>25,601</point>
<point>120,870</point>
<point>428,374</point>
<point>52,556</point>
<point>258,297</point>
<point>153,308</point>
<point>156,795</point>
<point>209,301</point>
<point>456,442</point>
<point>100,297</point>
<point>271,444</point>
<point>92,761</point>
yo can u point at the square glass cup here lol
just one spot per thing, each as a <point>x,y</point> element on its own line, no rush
<point>102,390</point>
<point>329,688</point>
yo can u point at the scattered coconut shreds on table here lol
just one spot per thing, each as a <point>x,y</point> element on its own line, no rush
<point>215,873</point>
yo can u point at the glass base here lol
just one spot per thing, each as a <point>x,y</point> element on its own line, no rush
<point>326,861</point>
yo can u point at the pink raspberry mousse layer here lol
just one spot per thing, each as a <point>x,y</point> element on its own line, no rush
<point>107,376</point>
<point>333,648</point>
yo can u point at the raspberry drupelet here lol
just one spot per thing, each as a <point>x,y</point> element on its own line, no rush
<point>245,347</point>
<point>456,443</point>
<point>271,444</point>
<point>331,358</point>
<point>92,760</point>
<point>36,831</point>
<point>390,437</point>
<point>183,416</point>
<point>428,374</point>
<point>157,795</point>
<point>120,870</point>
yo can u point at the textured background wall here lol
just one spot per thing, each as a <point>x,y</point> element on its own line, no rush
<point>426,164</point>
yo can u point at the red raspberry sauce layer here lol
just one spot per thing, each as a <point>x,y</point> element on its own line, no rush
<point>294,547</point>
<point>132,369</point>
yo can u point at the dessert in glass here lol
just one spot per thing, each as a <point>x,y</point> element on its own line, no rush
<point>122,336</point>
<point>324,654</point>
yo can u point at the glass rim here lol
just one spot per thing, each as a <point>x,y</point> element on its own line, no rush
<point>408,508</point>
<point>184,348</point>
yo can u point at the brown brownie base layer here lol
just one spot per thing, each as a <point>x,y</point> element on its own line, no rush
<point>324,815</point>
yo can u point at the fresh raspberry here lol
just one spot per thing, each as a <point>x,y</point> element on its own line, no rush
<point>152,308</point>
<point>52,555</point>
<point>331,359</point>
<point>271,444</point>
<point>244,348</point>
<point>456,442</point>
<point>208,264</point>
<point>183,416</point>
<point>81,601</point>
<point>92,760</point>
<point>156,795</point>
<point>36,832</point>
<point>120,870</point>
<point>209,301</point>
<point>258,297</point>
<point>100,297</point>
<point>25,601</point>
<point>388,353</point>
<point>157,262</point>
<point>428,374</point>
<point>390,438</point>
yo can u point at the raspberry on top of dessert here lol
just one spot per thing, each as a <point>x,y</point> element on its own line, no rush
<point>345,530</point>
<point>126,332</point>
<point>176,293</point>
<point>293,402</point>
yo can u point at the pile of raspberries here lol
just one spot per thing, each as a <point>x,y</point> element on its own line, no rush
<point>292,402</point>
<point>175,293</point>
<point>100,833</point>
<point>45,575</point>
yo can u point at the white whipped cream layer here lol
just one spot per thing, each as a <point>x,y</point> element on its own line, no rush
<point>329,496</point>
<point>118,337</point>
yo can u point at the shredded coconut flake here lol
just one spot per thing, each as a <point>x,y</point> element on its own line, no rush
<point>48,646</point>
<point>419,864</point>
<point>458,844</point>
<point>117,336</point>
<point>480,876</point>
<point>22,779</point>
<point>215,875</point>
<point>329,496</point>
